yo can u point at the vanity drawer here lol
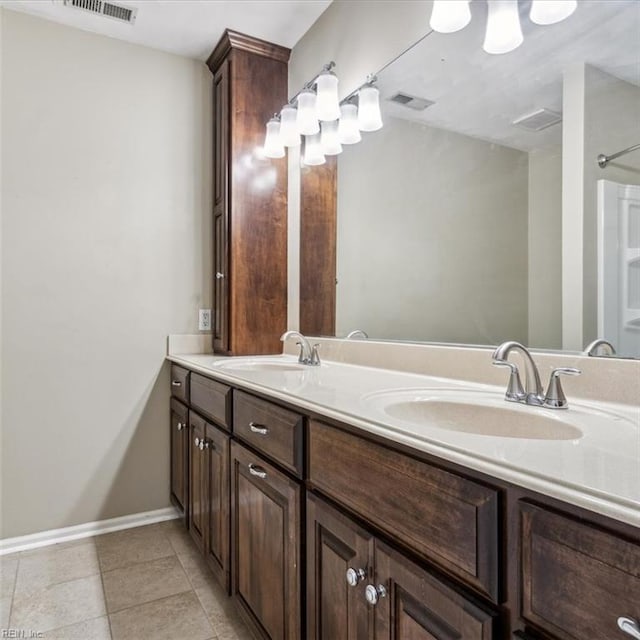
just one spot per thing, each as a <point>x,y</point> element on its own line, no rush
<point>448,519</point>
<point>180,383</point>
<point>577,580</point>
<point>275,431</point>
<point>212,399</point>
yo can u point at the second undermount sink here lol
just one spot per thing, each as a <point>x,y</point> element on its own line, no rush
<point>475,412</point>
<point>260,363</point>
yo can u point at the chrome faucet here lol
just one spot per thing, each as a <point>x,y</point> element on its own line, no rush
<point>532,394</point>
<point>600,347</point>
<point>357,334</point>
<point>308,354</point>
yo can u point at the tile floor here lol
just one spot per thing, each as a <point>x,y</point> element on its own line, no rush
<point>148,583</point>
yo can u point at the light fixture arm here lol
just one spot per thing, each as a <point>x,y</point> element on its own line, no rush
<point>308,85</point>
<point>371,79</point>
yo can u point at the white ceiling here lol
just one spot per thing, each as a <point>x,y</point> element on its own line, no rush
<point>188,27</point>
<point>479,95</point>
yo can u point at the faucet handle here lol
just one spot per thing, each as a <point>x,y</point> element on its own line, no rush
<point>315,357</point>
<point>515,392</point>
<point>555,398</point>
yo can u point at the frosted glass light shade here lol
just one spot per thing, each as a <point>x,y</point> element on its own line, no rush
<point>288,126</point>
<point>551,11</point>
<point>313,151</point>
<point>327,103</point>
<point>369,117</point>
<point>273,147</point>
<point>306,119</point>
<point>348,132</point>
<point>329,141</point>
<point>449,16</point>
<point>503,33</point>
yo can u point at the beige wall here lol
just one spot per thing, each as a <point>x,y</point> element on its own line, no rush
<point>432,237</point>
<point>105,247</point>
<point>545,249</point>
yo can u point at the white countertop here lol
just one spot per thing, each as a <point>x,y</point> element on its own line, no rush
<point>599,471</point>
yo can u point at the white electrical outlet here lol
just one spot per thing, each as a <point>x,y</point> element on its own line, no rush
<point>204,320</point>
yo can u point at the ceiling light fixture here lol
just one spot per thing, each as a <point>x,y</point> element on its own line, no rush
<point>326,123</point>
<point>503,33</point>
<point>546,12</point>
<point>449,16</point>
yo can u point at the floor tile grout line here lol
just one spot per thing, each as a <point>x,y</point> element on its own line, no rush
<point>53,584</point>
<point>104,596</point>
<point>13,592</point>
<point>66,626</point>
<point>140,604</point>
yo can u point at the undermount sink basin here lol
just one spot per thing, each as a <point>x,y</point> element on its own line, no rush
<point>260,364</point>
<point>476,412</point>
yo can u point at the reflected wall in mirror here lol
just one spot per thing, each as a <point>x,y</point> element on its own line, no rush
<point>472,216</point>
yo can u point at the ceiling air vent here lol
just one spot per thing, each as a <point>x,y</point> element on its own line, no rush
<point>538,120</point>
<point>102,8</point>
<point>411,102</point>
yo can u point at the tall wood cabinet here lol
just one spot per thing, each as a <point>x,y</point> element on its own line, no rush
<point>249,197</point>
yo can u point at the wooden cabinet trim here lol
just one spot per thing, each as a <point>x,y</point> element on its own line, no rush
<point>180,382</point>
<point>234,40</point>
<point>212,399</point>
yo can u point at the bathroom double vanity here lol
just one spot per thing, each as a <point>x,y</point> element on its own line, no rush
<point>351,502</point>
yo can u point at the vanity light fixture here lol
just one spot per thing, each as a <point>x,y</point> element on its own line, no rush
<point>503,33</point>
<point>348,132</point>
<point>326,123</point>
<point>329,140</point>
<point>449,16</point>
<point>273,147</point>
<point>369,117</point>
<point>289,133</point>
<point>313,151</point>
<point>551,11</point>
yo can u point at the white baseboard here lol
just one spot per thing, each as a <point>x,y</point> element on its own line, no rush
<point>86,530</point>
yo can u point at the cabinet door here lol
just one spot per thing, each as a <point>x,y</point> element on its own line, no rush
<point>413,605</point>
<point>217,547</point>
<point>221,209</point>
<point>179,455</point>
<point>336,608</point>
<point>265,533</point>
<point>198,481</point>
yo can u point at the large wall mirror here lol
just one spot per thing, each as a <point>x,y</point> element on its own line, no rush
<point>479,213</point>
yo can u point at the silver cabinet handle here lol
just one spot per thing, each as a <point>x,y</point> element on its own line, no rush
<point>202,445</point>
<point>258,428</point>
<point>176,383</point>
<point>181,426</point>
<point>354,576</point>
<point>373,594</point>
<point>197,442</point>
<point>257,471</point>
<point>629,626</point>
<point>219,275</point>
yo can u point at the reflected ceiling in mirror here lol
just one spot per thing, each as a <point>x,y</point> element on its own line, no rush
<point>472,216</point>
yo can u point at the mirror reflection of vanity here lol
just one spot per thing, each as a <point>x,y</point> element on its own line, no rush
<point>472,216</point>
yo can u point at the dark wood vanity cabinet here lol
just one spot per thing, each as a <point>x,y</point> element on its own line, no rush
<point>360,588</point>
<point>323,532</point>
<point>265,531</point>
<point>250,197</point>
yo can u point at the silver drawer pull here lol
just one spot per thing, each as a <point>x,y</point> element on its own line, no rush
<point>219,275</point>
<point>197,442</point>
<point>258,428</point>
<point>176,383</point>
<point>259,472</point>
<point>629,626</point>
<point>181,426</point>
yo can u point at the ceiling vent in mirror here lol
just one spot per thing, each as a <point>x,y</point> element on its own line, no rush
<point>411,102</point>
<point>538,120</point>
<point>107,9</point>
